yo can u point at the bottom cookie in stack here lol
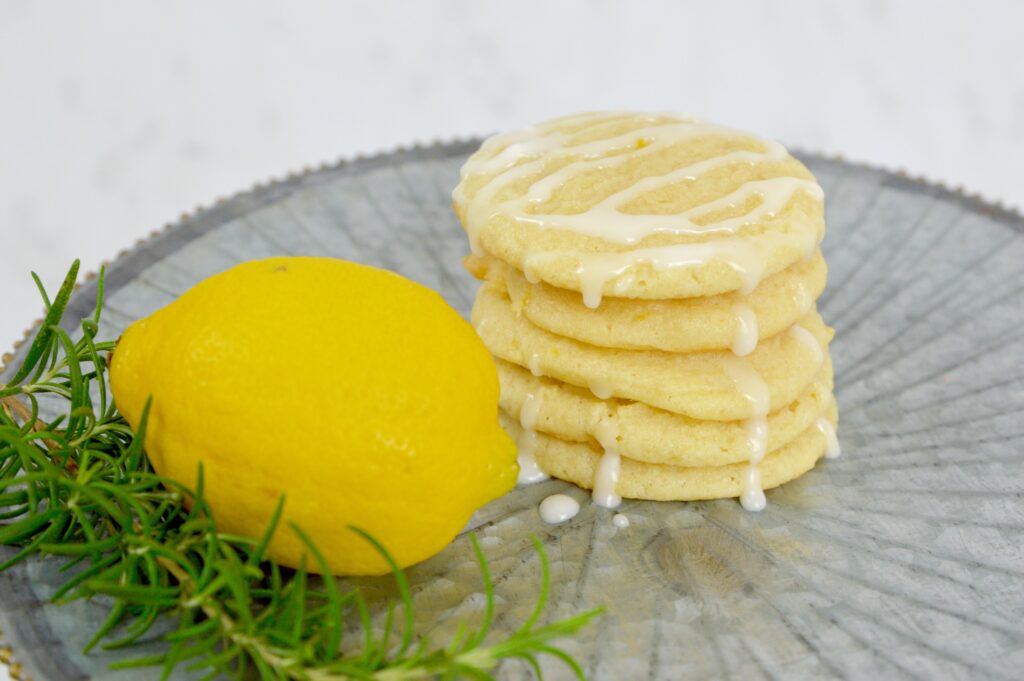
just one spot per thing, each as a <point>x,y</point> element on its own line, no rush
<point>645,433</point>
<point>581,462</point>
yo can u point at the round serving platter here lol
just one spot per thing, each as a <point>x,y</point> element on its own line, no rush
<point>902,559</point>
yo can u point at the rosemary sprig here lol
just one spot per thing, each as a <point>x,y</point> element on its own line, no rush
<point>79,486</point>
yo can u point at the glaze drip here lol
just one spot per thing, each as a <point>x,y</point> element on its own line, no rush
<point>832,449</point>
<point>746,330</point>
<point>755,390</point>
<point>807,339</point>
<point>529,470</point>
<point>606,478</point>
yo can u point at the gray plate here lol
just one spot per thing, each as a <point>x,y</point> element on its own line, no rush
<point>902,559</point>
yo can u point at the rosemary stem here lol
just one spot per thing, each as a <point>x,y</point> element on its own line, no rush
<point>78,484</point>
<point>13,404</point>
<point>227,625</point>
<point>15,407</point>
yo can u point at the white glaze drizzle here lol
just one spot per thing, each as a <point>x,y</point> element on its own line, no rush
<point>606,478</point>
<point>807,338</point>
<point>594,270</point>
<point>620,521</point>
<point>601,389</point>
<point>746,330</point>
<point>750,384</point>
<point>605,220</point>
<point>530,411</point>
<point>755,390</point>
<point>520,155</point>
<point>529,470</point>
<point>832,449</point>
<point>526,143</point>
<point>534,364</point>
<point>752,497</point>
<point>756,429</point>
<point>558,508</point>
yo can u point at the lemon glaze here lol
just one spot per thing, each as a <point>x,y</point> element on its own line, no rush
<point>832,449</point>
<point>746,330</point>
<point>754,388</point>
<point>529,471</point>
<point>607,479</point>
<point>558,508</point>
<point>523,153</point>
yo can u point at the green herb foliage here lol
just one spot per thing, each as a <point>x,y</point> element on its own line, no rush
<point>79,486</point>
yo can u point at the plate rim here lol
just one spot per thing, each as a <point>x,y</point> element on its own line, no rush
<point>263,192</point>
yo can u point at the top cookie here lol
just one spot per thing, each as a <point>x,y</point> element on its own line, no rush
<point>650,206</point>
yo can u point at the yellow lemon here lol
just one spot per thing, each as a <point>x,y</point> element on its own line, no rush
<point>358,394</point>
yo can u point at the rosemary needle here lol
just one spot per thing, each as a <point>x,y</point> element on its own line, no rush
<point>79,486</point>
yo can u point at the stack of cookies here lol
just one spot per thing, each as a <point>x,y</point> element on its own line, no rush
<point>649,289</point>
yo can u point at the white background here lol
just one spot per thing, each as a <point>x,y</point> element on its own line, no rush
<point>115,117</point>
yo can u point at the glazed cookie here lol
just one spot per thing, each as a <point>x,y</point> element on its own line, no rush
<point>714,385</point>
<point>645,433</point>
<point>639,206</point>
<point>579,464</point>
<point>727,321</point>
